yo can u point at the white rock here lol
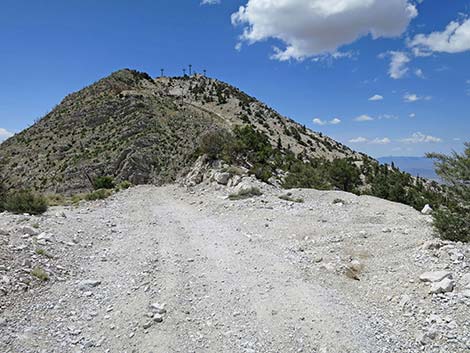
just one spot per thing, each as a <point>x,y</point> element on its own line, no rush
<point>89,283</point>
<point>158,308</point>
<point>45,237</point>
<point>465,280</point>
<point>222,178</point>
<point>444,286</point>
<point>3,231</point>
<point>356,265</point>
<point>29,230</point>
<point>435,276</point>
<point>427,210</point>
<point>158,318</point>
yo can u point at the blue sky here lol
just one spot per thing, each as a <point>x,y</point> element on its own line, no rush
<point>316,61</point>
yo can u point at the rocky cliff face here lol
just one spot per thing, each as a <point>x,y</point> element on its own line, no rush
<point>140,129</point>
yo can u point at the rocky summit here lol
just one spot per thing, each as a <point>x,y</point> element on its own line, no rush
<point>142,130</point>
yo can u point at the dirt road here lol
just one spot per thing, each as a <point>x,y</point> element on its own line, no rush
<point>257,275</point>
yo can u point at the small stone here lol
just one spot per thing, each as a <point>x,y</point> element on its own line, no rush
<point>29,230</point>
<point>45,237</point>
<point>436,276</point>
<point>147,325</point>
<point>386,230</point>
<point>158,318</point>
<point>158,308</point>
<point>427,210</point>
<point>356,265</point>
<point>89,283</point>
<point>444,286</point>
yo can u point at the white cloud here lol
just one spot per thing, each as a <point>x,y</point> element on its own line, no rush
<point>398,64</point>
<point>320,122</point>
<point>376,97</point>
<point>363,117</point>
<point>412,115</point>
<point>375,141</point>
<point>358,140</point>
<point>387,117</point>
<point>419,73</point>
<point>412,97</point>
<point>317,27</point>
<point>419,137</point>
<point>454,39</point>
<point>210,2</point>
<point>4,134</point>
<point>380,141</point>
<point>335,121</point>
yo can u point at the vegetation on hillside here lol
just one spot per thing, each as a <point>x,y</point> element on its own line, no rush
<point>452,219</point>
<point>251,148</point>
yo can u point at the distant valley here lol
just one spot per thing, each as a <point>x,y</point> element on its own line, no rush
<point>417,166</point>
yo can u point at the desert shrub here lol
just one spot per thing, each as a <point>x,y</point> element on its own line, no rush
<point>124,185</point>
<point>25,201</point>
<point>216,144</point>
<point>40,274</point>
<point>103,182</point>
<point>289,197</point>
<point>100,194</point>
<point>452,219</point>
<point>245,193</point>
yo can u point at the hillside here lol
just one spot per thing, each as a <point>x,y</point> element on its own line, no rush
<point>143,130</point>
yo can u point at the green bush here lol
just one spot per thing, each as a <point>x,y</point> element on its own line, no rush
<point>104,182</point>
<point>216,144</point>
<point>25,201</point>
<point>452,220</point>
<point>245,194</point>
<point>124,185</point>
<point>100,194</point>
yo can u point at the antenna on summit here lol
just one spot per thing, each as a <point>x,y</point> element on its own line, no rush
<point>204,71</point>
<point>190,69</point>
<point>161,70</point>
<point>184,72</point>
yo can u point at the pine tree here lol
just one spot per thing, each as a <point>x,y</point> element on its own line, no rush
<point>452,220</point>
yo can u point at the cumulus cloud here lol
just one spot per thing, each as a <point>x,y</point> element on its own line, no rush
<point>412,97</point>
<point>398,64</point>
<point>380,141</point>
<point>376,97</point>
<point>454,39</point>
<point>363,117</point>
<point>4,134</point>
<point>210,2</point>
<point>358,140</point>
<point>318,121</point>
<point>412,115</point>
<point>315,27</point>
<point>419,137</point>
<point>419,73</point>
<point>375,141</point>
